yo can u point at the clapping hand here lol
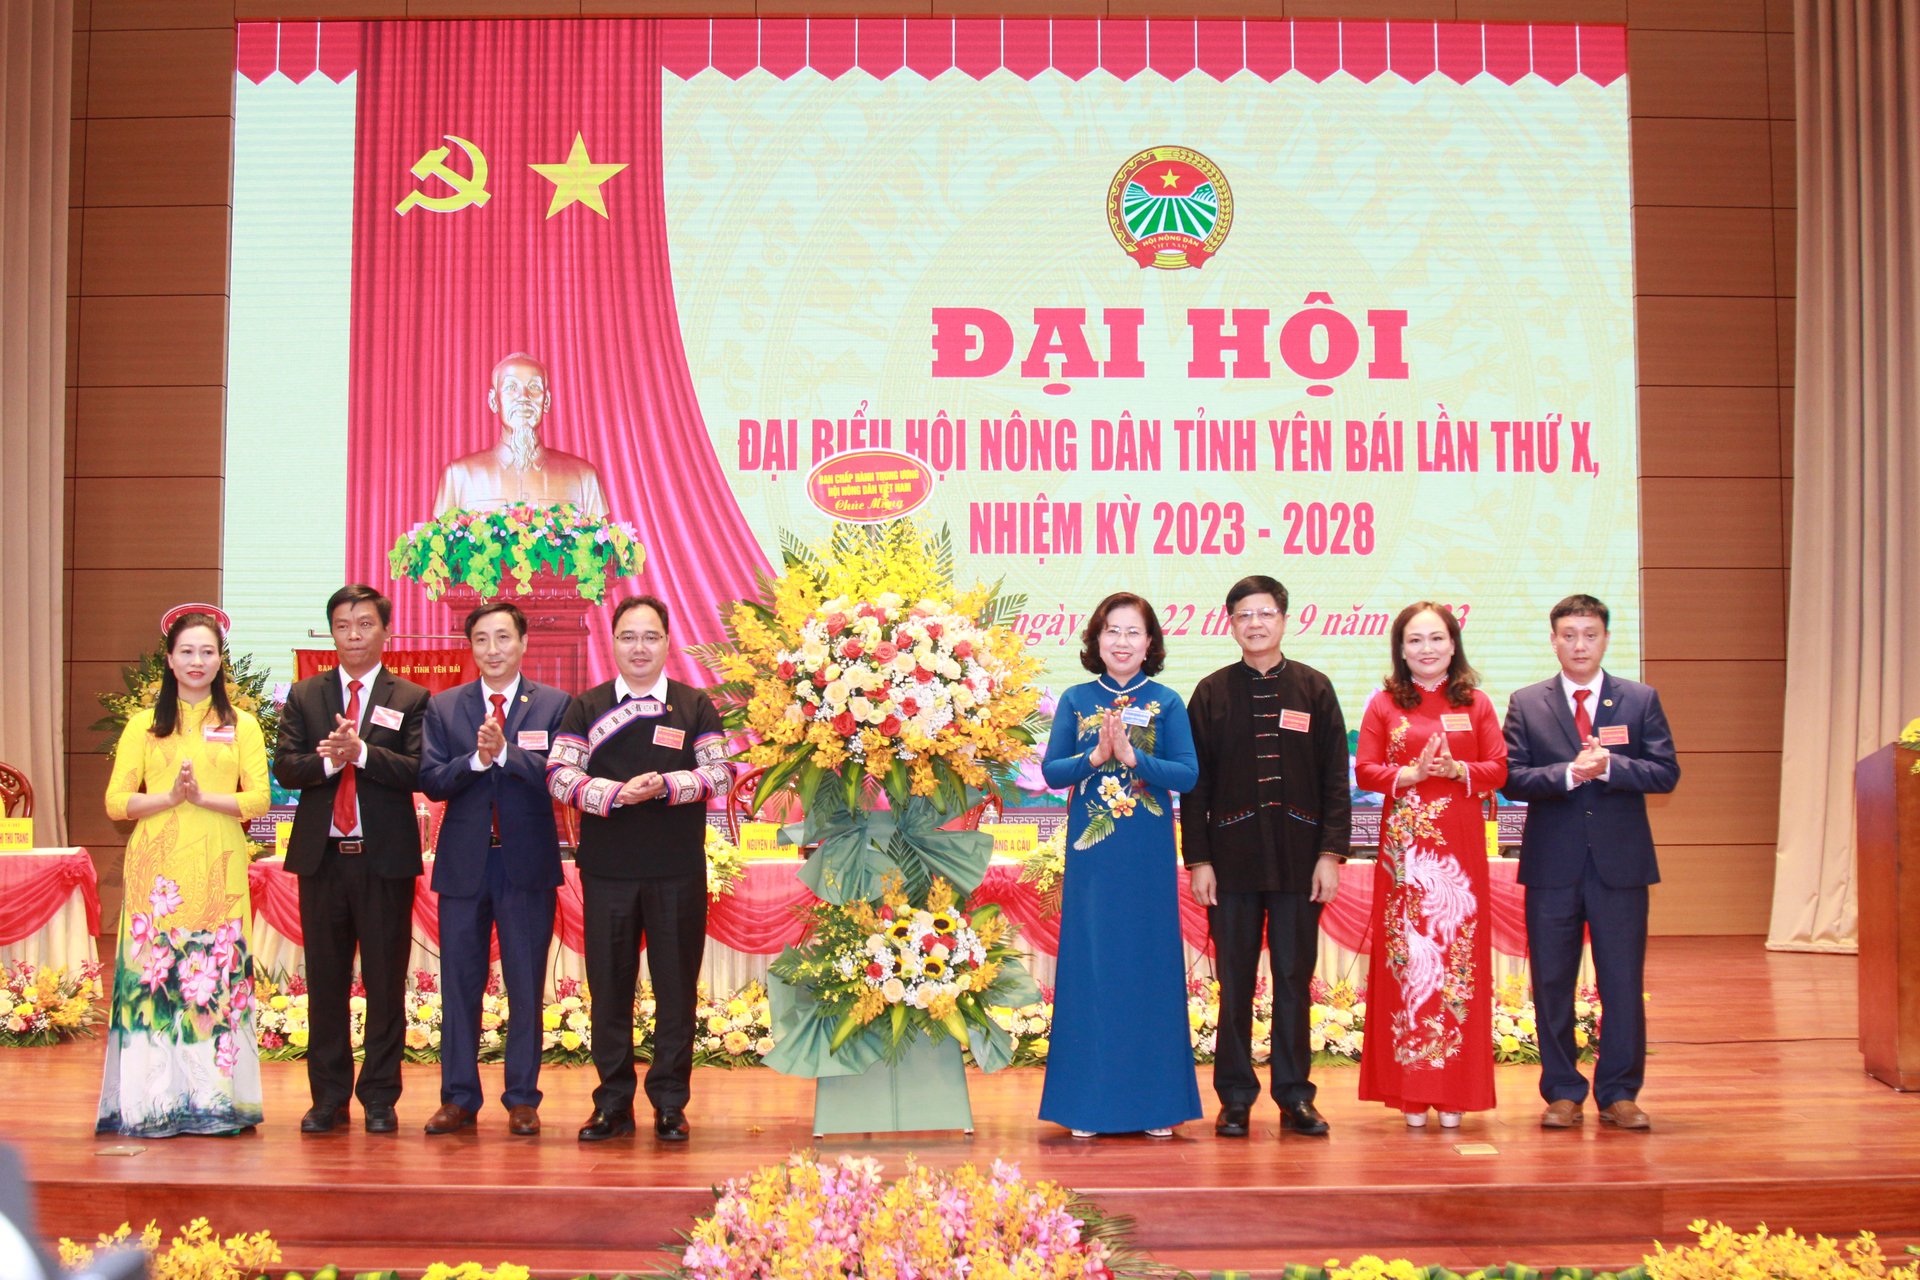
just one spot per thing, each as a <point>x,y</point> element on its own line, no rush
<point>1445,766</point>
<point>491,741</point>
<point>1113,727</point>
<point>1592,761</point>
<point>342,746</point>
<point>186,788</point>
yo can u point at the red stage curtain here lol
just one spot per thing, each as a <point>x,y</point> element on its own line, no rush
<point>438,298</point>
<point>276,898</point>
<point>34,886</point>
<point>760,916</point>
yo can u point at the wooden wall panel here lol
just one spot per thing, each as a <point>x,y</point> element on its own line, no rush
<point>177,250</point>
<point>1721,163</point>
<point>137,523</point>
<point>1724,797</point>
<point>1692,342</point>
<point>153,342</point>
<point>1697,523</point>
<point>161,73</point>
<point>1704,251</point>
<point>113,615</point>
<point>1728,706</point>
<point>1697,15</point>
<point>150,15</point>
<point>1711,74</point>
<point>1608,12</point>
<point>176,160</point>
<point>1709,431</point>
<point>1712,889</point>
<point>1689,613</point>
<point>87,821</point>
<point>124,422</point>
<point>1711,98</point>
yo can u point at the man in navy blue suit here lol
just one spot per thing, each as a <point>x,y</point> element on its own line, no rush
<point>1585,749</point>
<point>497,864</point>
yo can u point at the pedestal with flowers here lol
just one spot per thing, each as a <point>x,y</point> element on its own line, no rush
<point>552,561</point>
<point>890,702</point>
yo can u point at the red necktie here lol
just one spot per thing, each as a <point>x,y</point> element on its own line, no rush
<point>499,701</point>
<point>1582,722</point>
<point>346,804</point>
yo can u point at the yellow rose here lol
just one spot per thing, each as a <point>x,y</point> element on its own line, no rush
<point>298,1038</point>
<point>550,1018</point>
<point>1196,1016</point>
<point>570,1040</point>
<point>717,1024</point>
<point>489,1022</point>
<point>1039,1045</point>
<point>279,1002</point>
<point>1580,1037</point>
<point>1509,1044</point>
<point>737,1042</point>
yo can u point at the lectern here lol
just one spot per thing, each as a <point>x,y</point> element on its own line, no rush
<point>1887,851</point>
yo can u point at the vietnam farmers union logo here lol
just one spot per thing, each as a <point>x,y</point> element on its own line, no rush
<point>1170,207</point>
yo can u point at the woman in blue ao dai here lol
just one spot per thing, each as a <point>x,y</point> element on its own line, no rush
<point>1121,1060</point>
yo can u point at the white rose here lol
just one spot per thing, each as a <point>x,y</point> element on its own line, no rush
<point>862,709</point>
<point>949,668</point>
<point>962,697</point>
<point>813,652</point>
<point>835,694</point>
<point>893,989</point>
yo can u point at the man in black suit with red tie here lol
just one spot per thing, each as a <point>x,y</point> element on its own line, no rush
<point>350,742</point>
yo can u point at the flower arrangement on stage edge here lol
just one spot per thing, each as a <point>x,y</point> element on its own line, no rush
<point>248,689</point>
<point>1516,1038</point>
<point>1031,1026</point>
<point>726,865</point>
<point>45,1006</point>
<point>731,1031</point>
<point>485,549</point>
<point>808,1218</point>
<point>929,969</point>
<point>196,1253</point>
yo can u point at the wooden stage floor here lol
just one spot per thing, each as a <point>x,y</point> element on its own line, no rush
<point>1760,1106</point>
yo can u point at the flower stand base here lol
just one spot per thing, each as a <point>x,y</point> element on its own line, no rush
<point>926,1089</point>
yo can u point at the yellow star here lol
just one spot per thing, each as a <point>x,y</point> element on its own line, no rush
<point>578,179</point>
<point>1167,179</point>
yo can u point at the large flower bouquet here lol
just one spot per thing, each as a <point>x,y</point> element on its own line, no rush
<point>45,1006</point>
<point>846,1221</point>
<point>197,1252</point>
<point>863,662</point>
<point>485,549</point>
<point>930,969</point>
<point>187,984</point>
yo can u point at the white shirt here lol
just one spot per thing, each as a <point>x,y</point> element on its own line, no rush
<point>621,689</point>
<point>486,700</point>
<point>1567,689</point>
<point>366,705</point>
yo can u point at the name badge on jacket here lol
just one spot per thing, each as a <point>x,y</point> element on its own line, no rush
<point>217,732</point>
<point>671,739</point>
<point>385,717</point>
<point>1297,721</point>
<point>1136,716</point>
<point>1456,722</point>
<point>1614,735</point>
<point>531,739</point>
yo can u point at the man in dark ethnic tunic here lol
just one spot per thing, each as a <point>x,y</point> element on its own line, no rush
<point>640,756</point>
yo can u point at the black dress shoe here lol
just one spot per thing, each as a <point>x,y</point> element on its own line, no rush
<point>381,1118</point>
<point>323,1119</point>
<point>607,1124</point>
<point>1302,1118</point>
<point>670,1124</point>
<point>1232,1121</point>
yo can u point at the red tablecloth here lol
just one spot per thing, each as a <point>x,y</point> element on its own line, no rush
<point>34,886</point>
<point>760,916</point>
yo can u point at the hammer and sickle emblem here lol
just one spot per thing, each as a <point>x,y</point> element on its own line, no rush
<point>466,191</point>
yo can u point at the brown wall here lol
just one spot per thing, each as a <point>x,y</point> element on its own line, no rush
<point>1713,179</point>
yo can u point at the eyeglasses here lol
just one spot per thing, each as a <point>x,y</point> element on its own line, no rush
<point>1118,634</point>
<point>1249,615</point>
<point>648,638</point>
